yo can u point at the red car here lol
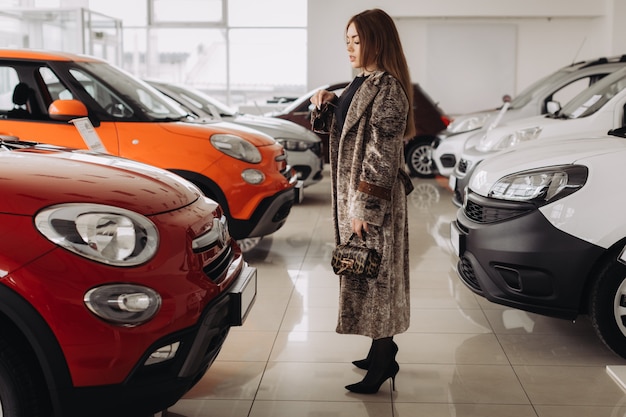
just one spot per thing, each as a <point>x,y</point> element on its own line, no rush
<point>119,283</point>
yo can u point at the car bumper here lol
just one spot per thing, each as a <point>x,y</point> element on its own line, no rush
<point>308,166</point>
<point>458,184</point>
<point>460,177</point>
<point>271,214</point>
<point>152,388</point>
<point>445,151</point>
<point>523,261</point>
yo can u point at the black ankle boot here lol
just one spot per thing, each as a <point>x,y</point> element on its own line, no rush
<point>365,363</point>
<point>382,367</point>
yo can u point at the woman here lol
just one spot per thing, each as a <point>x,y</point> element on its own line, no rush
<point>368,125</point>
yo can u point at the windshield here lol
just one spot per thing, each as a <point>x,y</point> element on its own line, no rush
<point>529,92</point>
<point>203,101</point>
<point>116,97</point>
<point>594,97</point>
<point>303,102</point>
<point>304,98</point>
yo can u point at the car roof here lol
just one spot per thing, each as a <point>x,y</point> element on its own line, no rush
<point>599,61</point>
<point>37,54</point>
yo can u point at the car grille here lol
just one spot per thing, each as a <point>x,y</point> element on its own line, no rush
<point>466,271</point>
<point>281,161</point>
<point>463,166</point>
<point>483,214</point>
<point>215,250</point>
<point>448,160</point>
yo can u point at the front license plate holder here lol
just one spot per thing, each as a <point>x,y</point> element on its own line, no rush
<point>452,182</point>
<point>457,239</point>
<point>242,295</point>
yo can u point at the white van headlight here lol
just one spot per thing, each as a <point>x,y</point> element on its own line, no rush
<point>510,140</point>
<point>542,185</point>
<point>102,233</point>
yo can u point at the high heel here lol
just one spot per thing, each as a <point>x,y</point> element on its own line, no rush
<point>372,387</point>
<point>382,366</point>
<point>365,363</point>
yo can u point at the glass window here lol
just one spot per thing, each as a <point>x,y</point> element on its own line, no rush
<point>194,57</point>
<point>230,49</point>
<point>593,98</point>
<point>56,89</point>
<point>267,13</point>
<point>132,13</point>
<point>8,81</point>
<point>267,57</point>
<point>187,11</point>
<point>568,92</point>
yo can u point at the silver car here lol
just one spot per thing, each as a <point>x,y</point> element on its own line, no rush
<point>303,147</point>
<point>560,86</point>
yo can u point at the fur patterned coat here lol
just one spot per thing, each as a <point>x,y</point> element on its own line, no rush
<point>365,159</point>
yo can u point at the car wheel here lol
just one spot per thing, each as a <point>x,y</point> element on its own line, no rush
<point>21,391</point>
<point>419,157</point>
<point>608,306</point>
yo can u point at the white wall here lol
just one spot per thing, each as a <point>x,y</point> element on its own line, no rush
<point>549,34</point>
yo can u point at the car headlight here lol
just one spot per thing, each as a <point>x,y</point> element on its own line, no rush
<point>465,124</point>
<point>236,147</point>
<point>541,185</point>
<point>105,234</point>
<point>123,304</point>
<point>510,140</point>
<point>294,145</point>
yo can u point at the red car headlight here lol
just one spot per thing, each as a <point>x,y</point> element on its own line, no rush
<point>106,234</point>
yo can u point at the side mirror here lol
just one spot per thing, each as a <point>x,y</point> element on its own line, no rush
<point>620,132</point>
<point>553,107</point>
<point>66,110</point>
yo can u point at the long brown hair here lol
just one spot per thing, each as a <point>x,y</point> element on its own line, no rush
<point>381,48</point>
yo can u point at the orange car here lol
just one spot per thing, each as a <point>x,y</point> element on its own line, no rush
<point>245,171</point>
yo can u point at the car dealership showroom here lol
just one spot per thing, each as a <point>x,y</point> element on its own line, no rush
<point>175,208</point>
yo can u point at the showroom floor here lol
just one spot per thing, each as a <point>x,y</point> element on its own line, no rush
<point>461,357</point>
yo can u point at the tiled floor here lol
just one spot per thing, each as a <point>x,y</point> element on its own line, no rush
<point>462,356</point>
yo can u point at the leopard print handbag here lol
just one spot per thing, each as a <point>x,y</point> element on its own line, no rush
<point>355,260</point>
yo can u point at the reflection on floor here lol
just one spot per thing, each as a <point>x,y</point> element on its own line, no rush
<point>462,356</point>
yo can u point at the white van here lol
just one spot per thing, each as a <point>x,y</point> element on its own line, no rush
<point>560,86</point>
<point>542,229</point>
<point>593,112</point>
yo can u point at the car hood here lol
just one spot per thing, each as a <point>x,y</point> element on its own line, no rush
<point>597,124</point>
<point>276,128</point>
<point>78,176</point>
<point>204,130</point>
<point>459,122</point>
<point>562,151</point>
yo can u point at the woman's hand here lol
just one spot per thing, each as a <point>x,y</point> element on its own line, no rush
<point>360,227</point>
<point>322,96</point>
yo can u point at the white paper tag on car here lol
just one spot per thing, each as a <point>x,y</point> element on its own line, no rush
<point>89,135</point>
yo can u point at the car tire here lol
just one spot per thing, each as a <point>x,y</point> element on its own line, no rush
<point>21,390</point>
<point>608,306</point>
<point>419,157</point>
